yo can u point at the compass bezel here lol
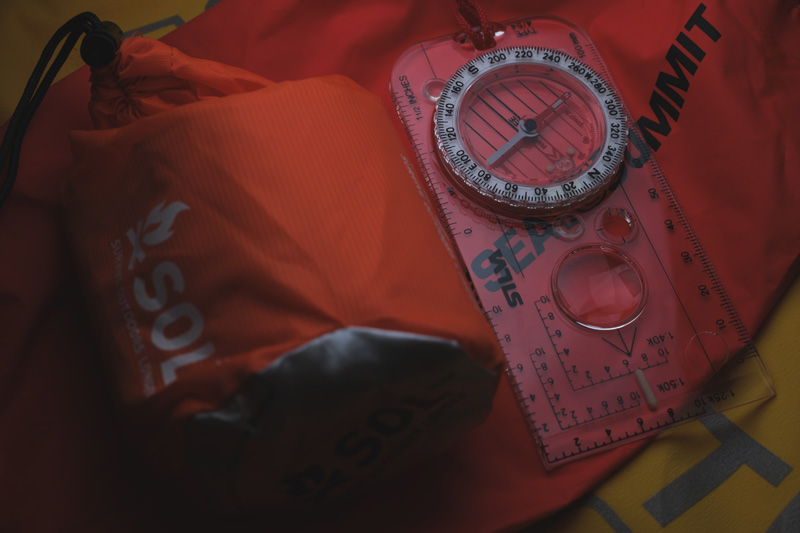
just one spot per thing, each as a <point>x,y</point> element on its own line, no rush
<point>482,182</point>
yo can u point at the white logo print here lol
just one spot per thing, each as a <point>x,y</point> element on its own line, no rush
<point>178,326</point>
<point>162,219</point>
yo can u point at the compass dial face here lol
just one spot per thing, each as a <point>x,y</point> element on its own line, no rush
<point>531,129</point>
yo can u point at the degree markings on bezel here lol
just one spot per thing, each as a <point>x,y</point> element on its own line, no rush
<point>467,164</point>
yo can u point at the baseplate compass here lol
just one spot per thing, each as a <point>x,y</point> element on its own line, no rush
<point>612,319</point>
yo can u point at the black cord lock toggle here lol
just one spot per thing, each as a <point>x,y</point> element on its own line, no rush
<point>100,44</point>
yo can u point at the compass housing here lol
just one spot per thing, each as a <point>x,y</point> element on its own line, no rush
<point>530,130</point>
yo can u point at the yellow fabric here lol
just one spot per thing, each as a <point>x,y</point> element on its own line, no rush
<point>766,434</point>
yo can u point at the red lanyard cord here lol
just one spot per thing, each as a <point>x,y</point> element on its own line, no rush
<point>477,27</point>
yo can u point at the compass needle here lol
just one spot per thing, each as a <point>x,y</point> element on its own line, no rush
<point>521,134</point>
<point>529,128</point>
<point>552,109</point>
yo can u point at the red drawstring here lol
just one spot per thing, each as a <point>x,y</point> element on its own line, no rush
<point>475,24</point>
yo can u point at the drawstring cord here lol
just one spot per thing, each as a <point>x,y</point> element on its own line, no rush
<point>97,49</point>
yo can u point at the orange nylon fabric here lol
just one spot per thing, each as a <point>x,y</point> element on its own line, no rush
<point>147,78</point>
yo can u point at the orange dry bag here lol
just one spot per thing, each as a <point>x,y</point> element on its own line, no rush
<point>282,315</point>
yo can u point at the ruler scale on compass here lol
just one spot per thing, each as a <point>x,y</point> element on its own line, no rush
<point>612,319</point>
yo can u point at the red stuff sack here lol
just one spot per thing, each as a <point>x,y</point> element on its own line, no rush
<point>282,315</point>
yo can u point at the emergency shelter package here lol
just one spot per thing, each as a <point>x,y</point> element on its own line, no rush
<point>271,336</point>
<point>226,290</point>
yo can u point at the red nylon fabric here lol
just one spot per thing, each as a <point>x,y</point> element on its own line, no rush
<point>145,83</point>
<point>66,466</point>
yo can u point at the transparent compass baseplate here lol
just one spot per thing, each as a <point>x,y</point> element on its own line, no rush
<point>612,319</point>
